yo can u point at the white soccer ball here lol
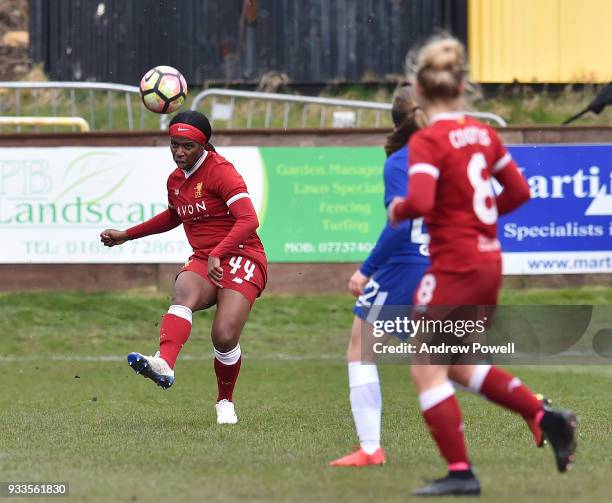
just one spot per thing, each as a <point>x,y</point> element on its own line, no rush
<point>163,89</point>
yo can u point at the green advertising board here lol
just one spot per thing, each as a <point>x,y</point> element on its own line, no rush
<point>323,204</point>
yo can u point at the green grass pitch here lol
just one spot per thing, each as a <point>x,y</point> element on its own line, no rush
<point>71,410</point>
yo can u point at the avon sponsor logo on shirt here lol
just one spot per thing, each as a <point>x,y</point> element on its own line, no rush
<point>186,210</point>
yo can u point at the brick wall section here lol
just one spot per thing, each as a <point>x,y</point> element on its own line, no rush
<point>282,278</point>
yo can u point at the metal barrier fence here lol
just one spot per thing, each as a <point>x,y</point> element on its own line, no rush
<point>119,105</point>
<point>78,122</point>
<point>279,110</point>
<point>116,110</point>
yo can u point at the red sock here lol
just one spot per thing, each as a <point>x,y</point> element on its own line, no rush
<point>507,390</point>
<point>443,417</point>
<point>174,332</point>
<point>227,375</point>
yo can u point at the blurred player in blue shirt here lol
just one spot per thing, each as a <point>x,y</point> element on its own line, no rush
<point>388,277</point>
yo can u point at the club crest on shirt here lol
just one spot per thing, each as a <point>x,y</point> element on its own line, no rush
<point>198,190</point>
<point>176,192</point>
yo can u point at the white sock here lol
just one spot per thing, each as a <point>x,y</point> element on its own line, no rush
<point>478,377</point>
<point>229,358</point>
<point>366,404</point>
<point>433,396</point>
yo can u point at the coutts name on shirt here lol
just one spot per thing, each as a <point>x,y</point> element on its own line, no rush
<point>469,135</point>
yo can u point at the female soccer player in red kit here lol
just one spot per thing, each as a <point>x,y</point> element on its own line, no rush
<point>228,266</point>
<point>451,164</point>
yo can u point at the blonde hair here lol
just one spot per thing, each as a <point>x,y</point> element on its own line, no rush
<point>441,68</point>
<point>407,118</point>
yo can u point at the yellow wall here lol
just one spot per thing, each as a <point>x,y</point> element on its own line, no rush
<point>540,40</point>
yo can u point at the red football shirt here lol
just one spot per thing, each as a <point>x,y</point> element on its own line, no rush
<point>463,155</point>
<point>201,197</point>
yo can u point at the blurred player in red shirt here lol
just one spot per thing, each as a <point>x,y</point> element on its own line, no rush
<point>452,163</point>
<point>228,266</point>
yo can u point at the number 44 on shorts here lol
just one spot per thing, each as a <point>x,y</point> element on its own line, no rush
<point>236,264</point>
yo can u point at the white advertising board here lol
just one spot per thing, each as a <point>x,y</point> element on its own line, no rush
<point>54,202</point>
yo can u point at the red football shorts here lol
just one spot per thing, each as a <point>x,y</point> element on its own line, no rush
<point>479,286</point>
<point>461,298</point>
<point>239,273</point>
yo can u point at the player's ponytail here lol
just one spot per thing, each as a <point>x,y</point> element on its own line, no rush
<point>407,118</point>
<point>441,69</point>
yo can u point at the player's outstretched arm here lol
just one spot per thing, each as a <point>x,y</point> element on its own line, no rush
<point>389,240</point>
<point>246,223</point>
<point>419,201</point>
<point>164,222</point>
<point>516,189</point>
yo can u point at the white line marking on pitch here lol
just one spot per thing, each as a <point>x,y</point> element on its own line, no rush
<point>117,358</point>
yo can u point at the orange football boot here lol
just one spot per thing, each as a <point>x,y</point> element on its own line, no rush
<point>361,458</point>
